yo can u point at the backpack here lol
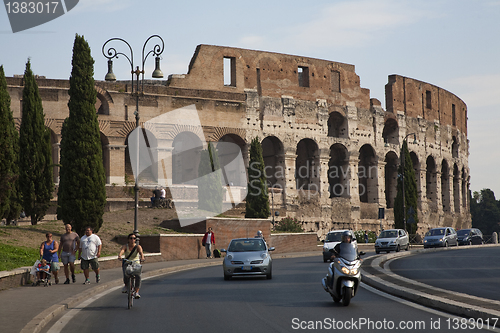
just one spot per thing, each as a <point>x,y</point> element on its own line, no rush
<point>216,253</point>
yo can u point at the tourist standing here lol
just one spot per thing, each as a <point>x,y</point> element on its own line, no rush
<point>89,252</point>
<point>68,245</point>
<point>208,240</point>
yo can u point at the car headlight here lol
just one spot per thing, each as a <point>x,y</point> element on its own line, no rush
<point>229,256</point>
<point>440,239</point>
<point>263,256</point>
<point>256,262</point>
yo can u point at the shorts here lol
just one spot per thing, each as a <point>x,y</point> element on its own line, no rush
<point>54,266</point>
<point>93,263</point>
<point>67,257</point>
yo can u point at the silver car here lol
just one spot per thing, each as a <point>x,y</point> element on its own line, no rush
<point>247,256</point>
<point>437,237</point>
<point>392,240</point>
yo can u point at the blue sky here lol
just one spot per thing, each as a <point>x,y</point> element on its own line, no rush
<point>453,44</point>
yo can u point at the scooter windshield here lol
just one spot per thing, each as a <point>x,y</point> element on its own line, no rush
<point>348,251</point>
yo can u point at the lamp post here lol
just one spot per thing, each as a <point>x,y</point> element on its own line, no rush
<point>111,53</point>
<point>403,157</point>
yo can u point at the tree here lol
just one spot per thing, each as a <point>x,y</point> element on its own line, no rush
<point>257,204</point>
<point>82,184</point>
<point>410,186</point>
<point>485,212</point>
<point>10,205</point>
<point>210,192</point>
<point>35,158</point>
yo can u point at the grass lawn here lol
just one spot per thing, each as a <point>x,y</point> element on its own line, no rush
<point>12,257</point>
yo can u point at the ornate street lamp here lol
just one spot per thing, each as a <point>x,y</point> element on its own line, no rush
<point>110,76</point>
<point>403,157</point>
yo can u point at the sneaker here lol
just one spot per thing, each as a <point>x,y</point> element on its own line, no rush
<point>136,295</point>
<point>87,281</point>
<point>97,278</point>
<point>124,289</point>
<point>57,280</point>
<point>73,277</point>
<point>67,281</point>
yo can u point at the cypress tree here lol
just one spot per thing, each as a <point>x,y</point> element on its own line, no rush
<point>257,202</point>
<point>82,184</point>
<point>210,193</point>
<point>410,192</point>
<point>10,206</point>
<point>35,158</point>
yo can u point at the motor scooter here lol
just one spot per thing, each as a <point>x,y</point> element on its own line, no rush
<point>343,277</point>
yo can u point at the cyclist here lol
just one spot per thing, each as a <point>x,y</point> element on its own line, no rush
<point>133,253</point>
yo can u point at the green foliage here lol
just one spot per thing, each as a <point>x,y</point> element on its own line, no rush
<point>210,191</point>
<point>485,211</point>
<point>10,205</point>
<point>289,224</point>
<point>257,201</point>
<point>35,157</point>
<point>82,185</point>
<point>12,257</point>
<point>360,236</point>
<point>411,199</point>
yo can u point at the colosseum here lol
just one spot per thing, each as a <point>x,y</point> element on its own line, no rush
<point>331,151</point>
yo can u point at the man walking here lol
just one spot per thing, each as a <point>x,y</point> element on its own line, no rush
<point>90,250</point>
<point>68,245</point>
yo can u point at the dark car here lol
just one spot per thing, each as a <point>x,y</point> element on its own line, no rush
<point>445,236</point>
<point>472,236</point>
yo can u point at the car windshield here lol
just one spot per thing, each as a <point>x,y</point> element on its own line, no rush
<point>464,232</point>
<point>334,237</point>
<point>247,245</point>
<point>435,232</point>
<point>388,234</point>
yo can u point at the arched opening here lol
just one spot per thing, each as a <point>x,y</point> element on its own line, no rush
<point>367,174</point>
<point>454,148</point>
<point>101,104</point>
<point>390,133</point>
<point>187,147</point>
<point>142,159</point>
<point>337,125</point>
<point>229,147</point>
<point>338,172</point>
<point>431,181</point>
<point>445,186</point>
<point>391,176</point>
<point>465,197</point>
<point>274,160</point>
<point>306,165</point>
<point>456,188</point>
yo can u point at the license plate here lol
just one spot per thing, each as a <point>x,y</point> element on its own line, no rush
<point>246,268</point>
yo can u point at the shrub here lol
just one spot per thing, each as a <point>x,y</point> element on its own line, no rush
<point>289,224</point>
<point>360,236</point>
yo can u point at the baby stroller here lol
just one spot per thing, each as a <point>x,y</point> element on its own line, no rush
<point>41,273</point>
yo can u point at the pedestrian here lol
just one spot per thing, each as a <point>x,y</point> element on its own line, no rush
<point>89,252</point>
<point>48,251</point>
<point>366,237</point>
<point>207,241</point>
<point>68,245</point>
<point>132,252</point>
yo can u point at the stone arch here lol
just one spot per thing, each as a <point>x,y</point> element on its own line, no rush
<point>338,171</point>
<point>445,186</point>
<point>229,147</point>
<point>390,134</point>
<point>102,101</point>
<point>456,188</point>
<point>367,174</point>
<point>274,161</point>
<point>454,147</point>
<point>391,177</point>
<point>187,147</point>
<point>431,180</point>
<point>306,165</point>
<point>337,125</point>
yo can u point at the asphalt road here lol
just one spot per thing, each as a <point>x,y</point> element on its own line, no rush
<point>473,271</point>
<point>201,301</point>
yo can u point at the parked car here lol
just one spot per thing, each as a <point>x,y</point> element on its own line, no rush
<point>472,236</point>
<point>392,240</point>
<point>437,237</point>
<point>247,256</point>
<point>332,238</point>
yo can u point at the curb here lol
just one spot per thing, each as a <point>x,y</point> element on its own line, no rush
<point>422,298</point>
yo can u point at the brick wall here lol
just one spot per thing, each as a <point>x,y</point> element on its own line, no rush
<point>294,242</point>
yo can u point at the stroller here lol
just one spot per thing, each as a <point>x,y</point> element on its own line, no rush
<point>41,273</point>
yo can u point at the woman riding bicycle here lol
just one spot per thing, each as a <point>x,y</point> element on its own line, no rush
<point>133,253</point>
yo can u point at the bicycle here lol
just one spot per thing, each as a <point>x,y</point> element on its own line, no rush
<point>132,271</point>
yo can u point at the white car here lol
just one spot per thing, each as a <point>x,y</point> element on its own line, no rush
<point>392,240</point>
<point>332,238</point>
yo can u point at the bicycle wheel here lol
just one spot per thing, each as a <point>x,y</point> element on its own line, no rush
<point>130,292</point>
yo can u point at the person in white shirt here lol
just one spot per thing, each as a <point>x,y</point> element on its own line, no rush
<point>89,252</point>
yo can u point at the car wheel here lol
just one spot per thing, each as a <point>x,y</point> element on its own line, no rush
<point>397,248</point>
<point>407,246</point>
<point>445,244</point>
<point>269,276</point>
<point>377,251</point>
<point>227,277</point>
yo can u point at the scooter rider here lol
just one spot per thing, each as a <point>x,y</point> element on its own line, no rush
<point>345,238</point>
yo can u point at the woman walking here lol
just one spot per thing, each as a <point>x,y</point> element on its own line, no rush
<point>48,251</point>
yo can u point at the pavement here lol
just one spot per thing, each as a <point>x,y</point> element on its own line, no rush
<point>30,309</point>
